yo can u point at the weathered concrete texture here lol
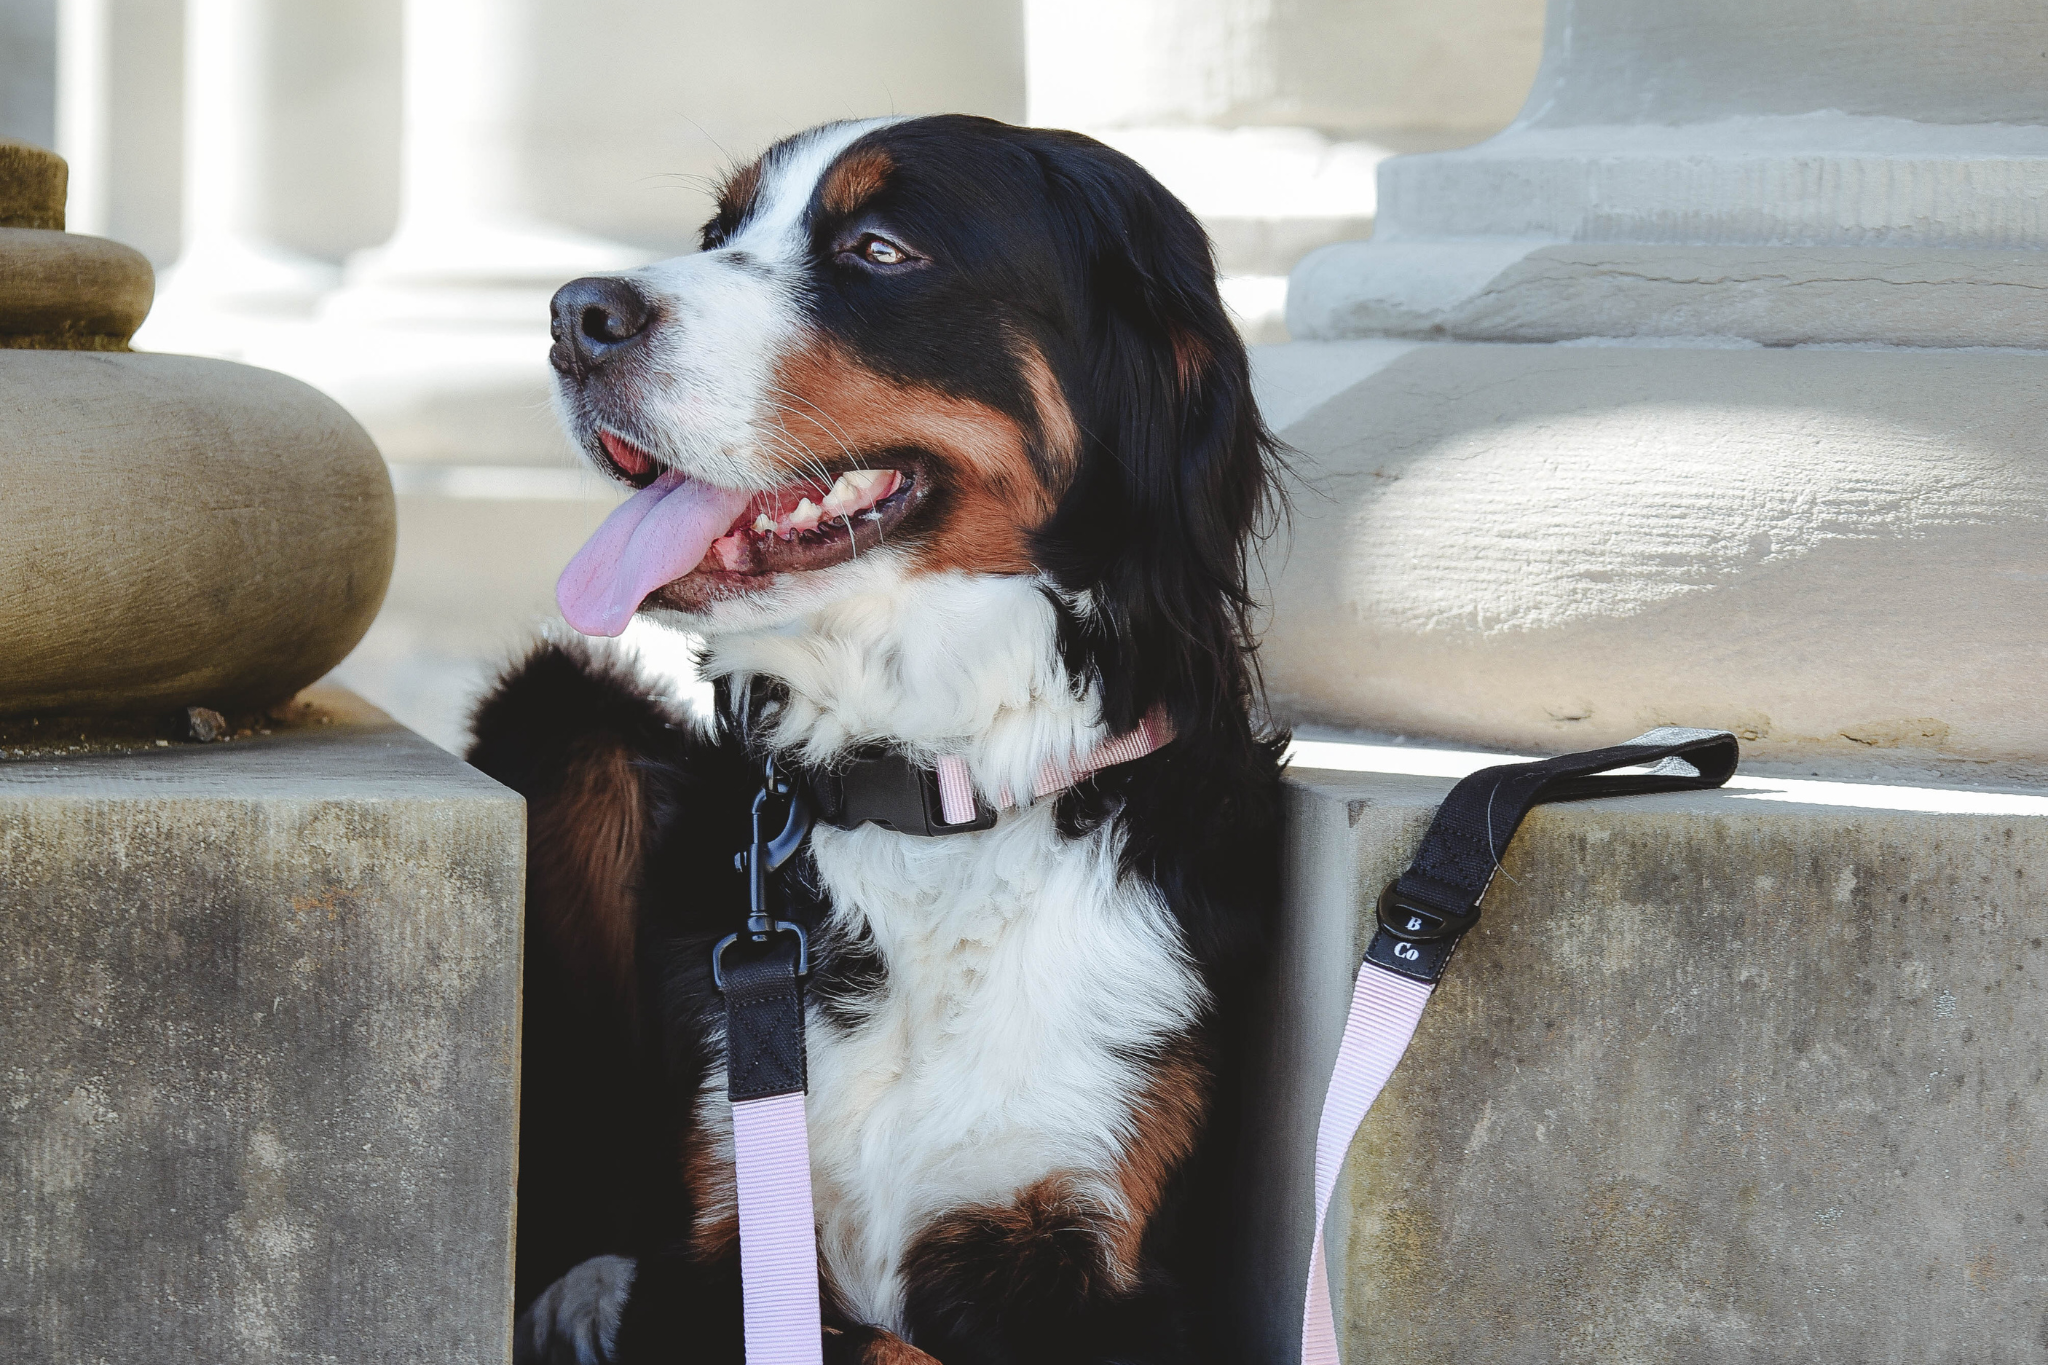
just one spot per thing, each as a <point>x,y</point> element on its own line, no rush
<point>260,1052</point>
<point>1753,1075</point>
<point>1839,555</point>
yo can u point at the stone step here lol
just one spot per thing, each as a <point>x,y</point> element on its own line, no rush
<point>262,1049</point>
<point>1751,1074</point>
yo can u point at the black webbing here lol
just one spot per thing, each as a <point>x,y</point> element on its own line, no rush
<point>1431,905</point>
<point>764,1022</point>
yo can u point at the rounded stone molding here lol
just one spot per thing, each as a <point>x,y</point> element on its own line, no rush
<point>1840,555</point>
<point>60,291</point>
<point>179,532</point>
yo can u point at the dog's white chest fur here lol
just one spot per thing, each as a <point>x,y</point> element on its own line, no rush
<point>1023,977</point>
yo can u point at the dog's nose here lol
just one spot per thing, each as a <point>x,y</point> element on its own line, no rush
<point>595,319</point>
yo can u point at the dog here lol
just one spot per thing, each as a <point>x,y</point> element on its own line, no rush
<point>945,447</point>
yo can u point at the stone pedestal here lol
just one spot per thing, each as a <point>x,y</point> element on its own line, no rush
<point>1708,393</point>
<point>262,1049</point>
<point>1752,460</point>
<point>1744,1075</point>
<point>1840,555</point>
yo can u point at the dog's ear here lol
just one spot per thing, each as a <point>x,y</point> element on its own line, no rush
<point>1175,468</point>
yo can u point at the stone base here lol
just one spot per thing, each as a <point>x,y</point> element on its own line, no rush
<point>1746,1075</point>
<point>261,1051</point>
<point>1838,555</point>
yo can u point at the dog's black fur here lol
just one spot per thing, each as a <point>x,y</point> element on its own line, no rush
<point>1110,280</point>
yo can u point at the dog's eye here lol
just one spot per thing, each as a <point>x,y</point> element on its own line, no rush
<point>881,250</point>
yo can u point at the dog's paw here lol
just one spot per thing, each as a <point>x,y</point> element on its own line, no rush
<point>576,1319</point>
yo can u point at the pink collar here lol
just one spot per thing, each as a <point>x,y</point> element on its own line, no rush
<point>956,784</point>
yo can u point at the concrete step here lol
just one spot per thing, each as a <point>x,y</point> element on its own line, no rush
<point>261,1040</point>
<point>1754,1074</point>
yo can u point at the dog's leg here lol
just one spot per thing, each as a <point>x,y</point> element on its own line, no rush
<point>578,737</point>
<point>682,1312</point>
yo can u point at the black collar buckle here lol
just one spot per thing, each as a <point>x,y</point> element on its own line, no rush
<point>889,790</point>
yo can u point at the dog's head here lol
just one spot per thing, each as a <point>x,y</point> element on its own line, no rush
<point>925,346</point>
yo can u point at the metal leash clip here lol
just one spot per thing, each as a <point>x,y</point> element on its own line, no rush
<point>764,856</point>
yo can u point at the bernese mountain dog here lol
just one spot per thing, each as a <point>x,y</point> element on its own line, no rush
<point>945,448</point>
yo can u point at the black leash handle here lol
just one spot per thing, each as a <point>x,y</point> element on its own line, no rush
<point>1427,909</point>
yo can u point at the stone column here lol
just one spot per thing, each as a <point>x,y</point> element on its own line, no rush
<point>1756,468</point>
<point>1268,120</point>
<point>228,265</point>
<point>438,339</point>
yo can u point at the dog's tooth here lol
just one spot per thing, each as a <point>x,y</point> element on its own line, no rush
<point>763,523</point>
<point>806,515</point>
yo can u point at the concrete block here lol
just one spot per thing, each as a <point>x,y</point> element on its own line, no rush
<point>1746,1075</point>
<point>258,1065</point>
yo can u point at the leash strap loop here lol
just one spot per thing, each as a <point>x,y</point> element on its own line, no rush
<point>1426,910</point>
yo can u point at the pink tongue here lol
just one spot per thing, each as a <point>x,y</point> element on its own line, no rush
<point>654,537</point>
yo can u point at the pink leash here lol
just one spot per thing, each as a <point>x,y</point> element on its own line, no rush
<point>1385,1009</point>
<point>778,1234</point>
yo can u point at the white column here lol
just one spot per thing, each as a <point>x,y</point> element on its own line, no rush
<point>467,248</point>
<point>228,265</point>
<point>83,100</point>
